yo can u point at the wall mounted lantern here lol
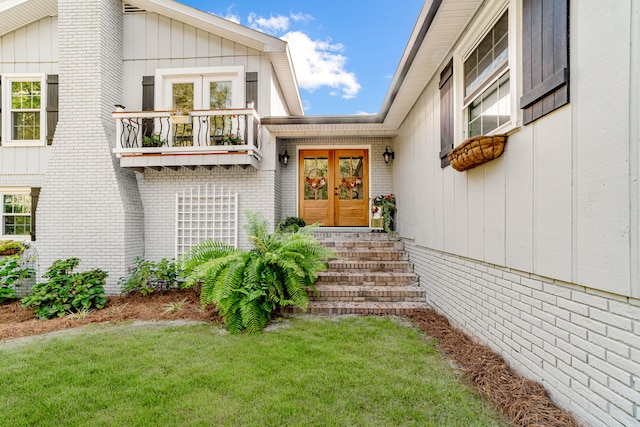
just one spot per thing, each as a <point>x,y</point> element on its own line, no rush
<point>388,155</point>
<point>283,157</point>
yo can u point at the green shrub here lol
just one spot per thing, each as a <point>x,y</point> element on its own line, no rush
<point>65,291</point>
<point>12,274</point>
<point>247,286</point>
<point>148,276</point>
<point>11,247</point>
<point>292,224</point>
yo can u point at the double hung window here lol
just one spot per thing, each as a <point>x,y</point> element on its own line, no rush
<point>16,214</point>
<point>487,92</point>
<point>24,113</point>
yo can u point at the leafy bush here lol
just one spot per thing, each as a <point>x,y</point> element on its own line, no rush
<point>66,291</point>
<point>12,274</point>
<point>247,286</point>
<point>292,224</point>
<point>11,247</point>
<point>148,276</point>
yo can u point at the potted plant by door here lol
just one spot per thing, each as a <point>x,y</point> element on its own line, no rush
<point>382,212</point>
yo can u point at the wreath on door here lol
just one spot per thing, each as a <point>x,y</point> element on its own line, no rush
<point>316,182</point>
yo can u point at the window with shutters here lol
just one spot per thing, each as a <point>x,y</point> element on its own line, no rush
<point>487,81</point>
<point>23,112</point>
<point>545,57</point>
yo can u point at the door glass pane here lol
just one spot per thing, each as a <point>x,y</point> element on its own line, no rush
<point>182,97</point>
<point>351,177</point>
<point>219,95</point>
<point>316,178</point>
<point>219,99</point>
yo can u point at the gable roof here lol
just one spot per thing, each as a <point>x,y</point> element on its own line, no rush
<point>18,13</point>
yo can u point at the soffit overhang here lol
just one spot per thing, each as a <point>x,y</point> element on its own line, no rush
<point>439,25</point>
<point>15,14</point>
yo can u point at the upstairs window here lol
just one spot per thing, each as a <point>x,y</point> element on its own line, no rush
<point>487,94</point>
<point>24,116</point>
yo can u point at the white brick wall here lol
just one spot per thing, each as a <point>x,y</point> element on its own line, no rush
<point>158,191</point>
<point>379,173</point>
<point>582,345</point>
<point>89,207</point>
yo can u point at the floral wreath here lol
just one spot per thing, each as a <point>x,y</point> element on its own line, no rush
<point>351,182</point>
<point>315,183</point>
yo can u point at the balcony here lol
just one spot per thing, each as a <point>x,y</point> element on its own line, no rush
<point>202,138</point>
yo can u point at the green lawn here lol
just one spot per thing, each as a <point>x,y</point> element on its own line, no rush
<point>311,371</point>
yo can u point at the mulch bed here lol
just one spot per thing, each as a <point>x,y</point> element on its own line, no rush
<point>525,402</point>
<point>16,322</point>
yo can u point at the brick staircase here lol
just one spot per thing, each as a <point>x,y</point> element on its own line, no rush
<point>372,275</point>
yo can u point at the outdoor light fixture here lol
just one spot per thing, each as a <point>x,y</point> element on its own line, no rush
<point>283,157</point>
<point>388,156</point>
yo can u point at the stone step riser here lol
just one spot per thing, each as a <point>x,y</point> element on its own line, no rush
<point>360,295</point>
<point>364,246</point>
<point>376,237</point>
<point>364,266</point>
<point>370,309</point>
<point>372,256</point>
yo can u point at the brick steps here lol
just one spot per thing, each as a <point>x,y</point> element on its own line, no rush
<point>372,276</point>
<point>369,293</point>
<point>363,308</point>
<point>343,266</point>
<point>380,278</point>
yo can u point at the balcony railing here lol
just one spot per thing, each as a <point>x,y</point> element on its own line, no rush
<point>199,138</point>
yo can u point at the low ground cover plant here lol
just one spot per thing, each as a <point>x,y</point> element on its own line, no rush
<point>65,291</point>
<point>12,275</point>
<point>147,277</point>
<point>247,286</point>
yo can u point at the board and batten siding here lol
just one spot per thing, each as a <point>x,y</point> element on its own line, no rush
<point>153,41</point>
<point>30,49</point>
<point>560,202</point>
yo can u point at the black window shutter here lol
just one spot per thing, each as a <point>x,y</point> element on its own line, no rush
<point>251,90</point>
<point>148,103</point>
<point>35,194</point>
<point>52,106</point>
<point>545,57</point>
<point>446,113</point>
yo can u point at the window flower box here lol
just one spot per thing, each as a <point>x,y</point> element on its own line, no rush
<point>476,151</point>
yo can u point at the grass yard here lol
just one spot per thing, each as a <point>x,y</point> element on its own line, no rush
<point>359,371</point>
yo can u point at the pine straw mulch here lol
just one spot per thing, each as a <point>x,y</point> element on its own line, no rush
<point>525,402</point>
<point>16,322</point>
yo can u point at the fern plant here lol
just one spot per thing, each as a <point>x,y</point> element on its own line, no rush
<point>247,286</point>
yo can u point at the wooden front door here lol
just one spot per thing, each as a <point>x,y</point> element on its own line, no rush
<point>334,187</point>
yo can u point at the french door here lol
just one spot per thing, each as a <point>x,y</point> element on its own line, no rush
<point>334,187</point>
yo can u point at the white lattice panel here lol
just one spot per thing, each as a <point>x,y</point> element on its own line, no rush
<point>203,213</point>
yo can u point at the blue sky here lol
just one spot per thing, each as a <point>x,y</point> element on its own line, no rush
<point>345,52</point>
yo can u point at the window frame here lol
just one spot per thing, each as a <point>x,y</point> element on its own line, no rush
<point>7,131</point>
<point>484,21</point>
<point>10,191</point>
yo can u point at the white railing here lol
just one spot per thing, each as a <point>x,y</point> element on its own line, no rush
<point>198,132</point>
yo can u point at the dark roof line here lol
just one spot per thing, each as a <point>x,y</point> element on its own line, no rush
<point>391,95</point>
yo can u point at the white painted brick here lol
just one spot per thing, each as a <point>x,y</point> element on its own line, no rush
<point>590,348</point>
<point>611,396</point>
<point>589,299</point>
<point>611,319</point>
<point>624,309</point>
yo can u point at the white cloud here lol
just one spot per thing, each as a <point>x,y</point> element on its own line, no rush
<point>229,15</point>
<point>272,25</point>
<point>320,63</point>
